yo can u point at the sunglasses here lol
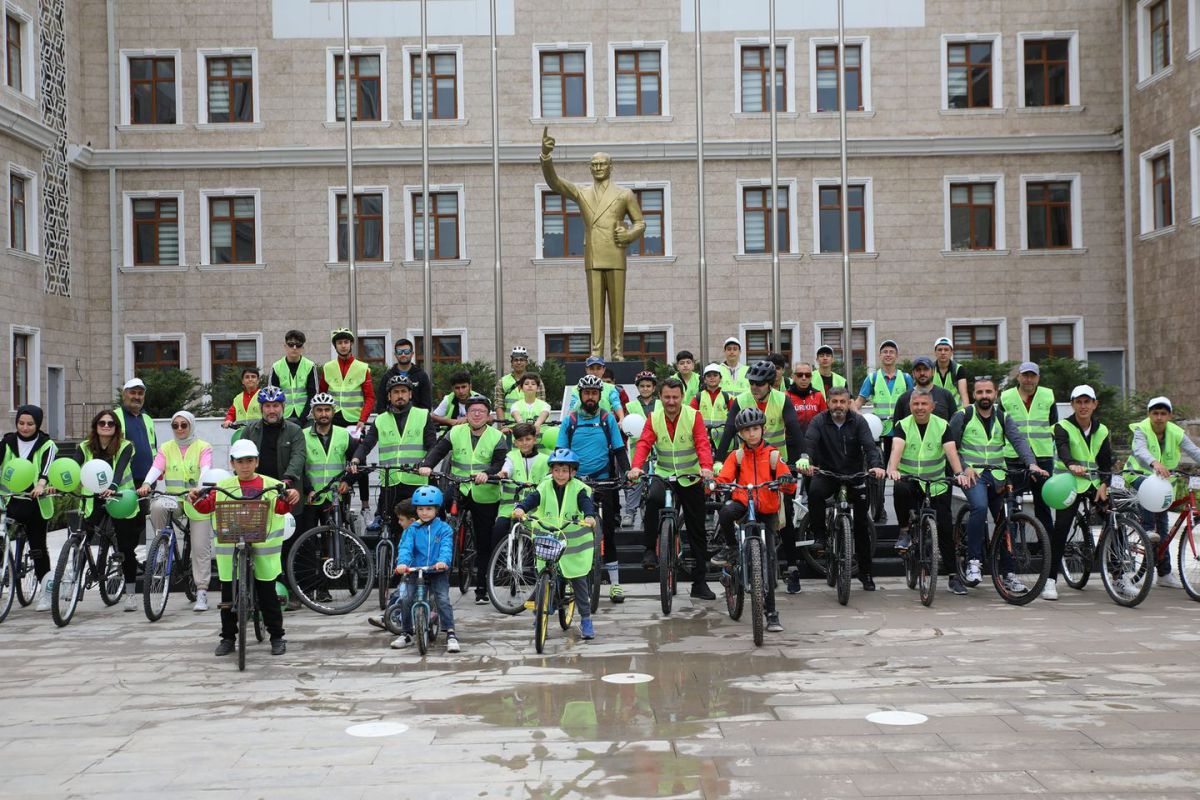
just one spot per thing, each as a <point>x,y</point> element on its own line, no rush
<point>106,423</point>
<point>295,344</point>
<point>180,426</point>
<point>760,383</point>
<point>403,351</point>
<point>802,374</point>
<point>982,378</point>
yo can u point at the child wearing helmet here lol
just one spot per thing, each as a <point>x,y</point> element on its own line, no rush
<point>245,407</point>
<point>559,499</point>
<point>428,543</point>
<point>610,397</point>
<point>405,515</point>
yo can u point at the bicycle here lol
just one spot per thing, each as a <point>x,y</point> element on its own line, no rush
<point>512,571</point>
<point>464,534</point>
<point>77,570</point>
<point>1188,557</point>
<point>329,566</point>
<point>669,544</point>
<point>14,568</point>
<point>552,592</point>
<point>756,561</point>
<point>165,568</point>
<point>1122,545</point>
<point>425,621</point>
<point>840,562</point>
<point>921,557</point>
<point>597,575</point>
<point>385,548</point>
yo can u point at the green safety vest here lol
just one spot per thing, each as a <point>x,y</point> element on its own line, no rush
<point>268,560</point>
<point>451,406</point>
<point>576,560</point>
<point>677,456</point>
<point>295,390</point>
<point>1081,452</point>
<point>182,472</point>
<point>884,399</point>
<point>45,502</point>
<point>529,412</point>
<point>734,381</point>
<point>525,470</point>
<point>511,388</point>
<point>254,411</point>
<point>691,387</point>
<point>924,457</point>
<point>977,450</point>
<point>347,391</point>
<point>1168,457</point>
<point>714,410</point>
<point>818,381</point>
<point>634,407</point>
<point>1033,424</point>
<point>466,460</point>
<point>124,481</point>
<point>120,412</point>
<point>402,448</point>
<point>948,383</point>
<point>774,433</point>
<point>321,466</point>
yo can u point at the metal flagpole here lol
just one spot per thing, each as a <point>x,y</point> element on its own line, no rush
<point>427,343</point>
<point>847,343</point>
<point>350,238</point>
<point>498,286</point>
<point>700,187</point>
<point>776,300</point>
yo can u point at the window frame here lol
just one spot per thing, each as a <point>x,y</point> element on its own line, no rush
<point>1000,323</point>
<point>815,44</point>
<point>411,192</point>
<point>539,192</point>
<point>1145,58</point>
<point>664,79</point>
<point>997,68</point>
<point>33,210</point>
<point>207,340</point>
<point>127,124</point>
<point>1193,18</point>
<point>589,82</point>
<point>859,324</point>
<point>1194,149</point>
<point>331,81</point>
<point>790,184</point>
<point>660,186</point>
<point>765,326</point>
<point>1001,244</point>
<point>789,74</point>
<point>28,53</point>
<point>1146,188</point>
<point>127,206</point>
<point>202,56</point>
<point>206,198</point>
<point>543,332</point>
<point>333,193</point>
<point>1072,178</point>
<point>132,339</point>
<point>460,96</point>
<point>1072,37</point>
<point>462,333</point>
<point>33,365</point>
<point>868,214</point>
<point>1076,322</point>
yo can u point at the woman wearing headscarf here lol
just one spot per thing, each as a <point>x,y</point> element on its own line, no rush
<point>30,442</point>
<point>180,462</point>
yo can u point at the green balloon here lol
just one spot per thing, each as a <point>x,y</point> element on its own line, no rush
<point>549,438</point>
<point>64,474</point>
<point>122,505</point>
<point>1059,491</point>
<point>18,474</point>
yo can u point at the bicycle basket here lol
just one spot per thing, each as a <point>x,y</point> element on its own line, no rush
<point>548,548</point>
<point>244,520</point>
<point>1123,500</point>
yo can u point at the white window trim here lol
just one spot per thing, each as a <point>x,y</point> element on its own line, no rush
<point>542,331</point>
<point>556,329</point>
<point>1146,75</point>
<point>864,43</point>
<point>33,210</point>
<point>410,233</point>
<point>1076,209</point>
<point>665,186</point>
<point>1072,38</point>
<point>1193,16</point>
<point>132,338</point>
<point>127,227</point>
<point>202,56</point>
<point>334,191</point>
<point>35,363</point>
<point>789,66</point>
<point>386,333</point>
<point>1194,144</point>
<point>868,210</point>
<point>997,68</point>
<point>664,78</point>
<point>460,96</point>
<point>1001,324</point>
<point>413,333</point>
<point>30,43</point>
<point>793,222</point>
<point>206,196</point>
<point>1001,241</point>
<point>126,111</point>
<point>589,99</point>
<point>766,325</point>
<point>206,340</point>
<point>869,324</point>
<point>1075,321</point>
<point>331,81</point>
<point>1146,187</point>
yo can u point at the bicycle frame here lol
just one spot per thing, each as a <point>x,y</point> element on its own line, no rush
<point>1186,507</point>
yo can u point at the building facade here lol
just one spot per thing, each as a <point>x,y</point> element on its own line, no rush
<point>203,206</point>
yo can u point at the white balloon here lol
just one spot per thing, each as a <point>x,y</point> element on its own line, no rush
<point>1155,494</point>
<point>633,425</point>
<point>353,431</point>
<point>875,424</point>
<point>95,475</point>
<point>289,526</point>
<point>214,475</point>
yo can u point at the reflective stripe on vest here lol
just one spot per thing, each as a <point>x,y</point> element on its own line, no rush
<point>466,460</point>
<point>774,432</point>
<point>347,391</point>
<point>714,410</point>
<point>402,449</point>
<point>978,451</point>
<point>924,456</point>
<point>321,466</point>
<point>245,413</point>
<point>182,472</point>
<point>884,399</point>
<point>1081,452</point>
<point>1033,424</point>
<point>268,563</point>
<point>1169,459</point>
<point>295,390</point>
<point>734,381</point>
<point>525,470</point>
<point>676,456</point>
<point>576,560</point>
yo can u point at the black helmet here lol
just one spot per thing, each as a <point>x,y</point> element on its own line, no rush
<point>748,418</point>
<point>398,380</point>
<point>761,372</point>
<point>590,382</point>
<point>477,399</point>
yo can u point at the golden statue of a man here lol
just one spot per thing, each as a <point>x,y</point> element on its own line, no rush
<point>604,206</point>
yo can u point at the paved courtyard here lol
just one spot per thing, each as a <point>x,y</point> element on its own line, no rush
<point>1078,698</point>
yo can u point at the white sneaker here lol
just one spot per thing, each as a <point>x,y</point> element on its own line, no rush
<point>452,644</point>
<point>1014,584</point>
<point>201,601</point>
<point>1127,587</point>
<point>1153,536</point>
<point>1170,580</point>
<point>1050,590</point>
<point>974,571</point>
<point>132,601</point>
<point>401,642</point>
<point>47,598</point>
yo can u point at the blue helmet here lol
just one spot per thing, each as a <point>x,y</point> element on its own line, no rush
<point>563,455</point>
<point>427,496</point>
<point>270,394</point>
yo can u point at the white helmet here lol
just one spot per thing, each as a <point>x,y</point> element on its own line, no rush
<point>1155,494</point>
<point>518,352</point>
<point>712,368</point>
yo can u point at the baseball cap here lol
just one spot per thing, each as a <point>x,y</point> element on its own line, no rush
<point>944,340</point>
<point>889,343</point>
<point>712,368</point>
<point>825,349</point>
<point>243,448</point>
<point>1029,366</point>
<point>923,361</point>
<point>732,340</point>
<point>593,361</point>
<point>1083,390</point>
<point>1161,400</point>
<point>133,383</point>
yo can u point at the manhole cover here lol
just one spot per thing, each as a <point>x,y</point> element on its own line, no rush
<point>370,730</point>
<point>896,718</point>
<point>628,677</point>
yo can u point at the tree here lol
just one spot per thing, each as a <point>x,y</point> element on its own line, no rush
<point>168,391</point>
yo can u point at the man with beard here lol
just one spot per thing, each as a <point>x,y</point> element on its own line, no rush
<point>327,449</point>
<point>280,443</point>
<point>839,440</point>
<point>418,380</point>
<point>404,434</point>
<point>138,429</point>
<point>944,402</point>
<point>981,431</point>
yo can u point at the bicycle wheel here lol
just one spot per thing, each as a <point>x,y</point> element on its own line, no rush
<point>385,557</point>
<point>393,619</point>
<point>244,586</point>
<point>1126,562</point>
<point>909,558</point>
<point>1019,558</point>
<point>110,565</point>
<point>927,560</point>
<point>666,563</point>
<point>735,592</point>
<point>512,573</point>
<point>156,581</point>
<point>330,570</point>
<point>181,573</point>
<point>831,555</point>
<point>465,556</point>
<point>420,614</point>
<point>845,563</point>
<point>960,545</point>
<point>754,555</point>
<point>26,573</point>
<point>1188,561</point>
<point>816,557</point>
<point>68,580</point>
<point>1076,564</point>
<point>8,582</point>
<point>566,605</point>
<point>541,610</point>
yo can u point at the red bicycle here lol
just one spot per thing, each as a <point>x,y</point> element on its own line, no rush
<point>1188,558</point>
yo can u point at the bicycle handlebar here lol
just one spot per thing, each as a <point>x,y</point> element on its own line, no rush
<point>547,527</point>
<point>836,476</point>
<point>212,487</point>
<point>749,487</point>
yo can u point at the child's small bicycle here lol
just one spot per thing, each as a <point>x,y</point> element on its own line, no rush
<point>552,592</point>
<point>425,621</point>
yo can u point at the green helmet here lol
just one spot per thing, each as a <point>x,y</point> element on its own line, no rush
<point>1059,491</point>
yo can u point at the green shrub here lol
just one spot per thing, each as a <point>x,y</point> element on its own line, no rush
<point>221,393</point>
<point>168,391</point>
<point>483,378</point>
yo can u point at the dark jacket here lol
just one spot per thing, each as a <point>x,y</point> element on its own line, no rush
<point>422,393</point>
<point>943,404</point>
<point>846,451</point>
<point>793,433</point>
<point>290,450</point>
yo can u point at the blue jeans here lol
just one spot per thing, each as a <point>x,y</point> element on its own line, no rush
<point>439,586</point>
<point>982,497</point>
<point>1151,522</point>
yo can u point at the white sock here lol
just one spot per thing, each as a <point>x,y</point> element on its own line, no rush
<point>614,576</point>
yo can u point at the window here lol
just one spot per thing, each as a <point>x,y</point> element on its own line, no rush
<point>653,206</point>
<point>227,87</point>
<point>22,347</point>
<point>972,73</point>
<point>232,230</point>
<point>831,336</point>
<point>13,59</point>
<point>372,350</point>
<point>828,234</point>
<point>755,78</point>
<point>1193,16</point>
<point>1056,340</point>
<point>1157,188</point>
<point>827,78</point>
<point>446,349</point>
<point>756,215</point>
<point>443,225</point>
<point>227,354</point>
<point>1048,209</point>
<point>972,216</point>
<point>564,83</point>
<point>759,344</point>
<point>646,346</point>
<point>155,356</point>
<point>18,205</point>
<point>1047,73</point>
<point>639,83</point>
<point>155,231</point>
<point>442,85</point>
<point>1194,138</point>
<point>370,226</point>
<point>976,341</point>
<point>1160,35</point>
<point>562,227</point>
<point>152,90</point>
<point>566,347</point>
<point>367,99</point>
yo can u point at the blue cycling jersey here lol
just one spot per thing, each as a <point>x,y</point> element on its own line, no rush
<point>592,441</point>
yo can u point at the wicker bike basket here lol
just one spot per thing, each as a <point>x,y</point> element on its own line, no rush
<point>548,548</point>
<point>241,520</point>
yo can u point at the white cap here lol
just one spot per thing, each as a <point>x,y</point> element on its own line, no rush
<point>712,368</point>
<point>732,340</point>
<point>243,448</point>
<point>1161,400</point>
<point>944,340</point>
<point>133,383</point>
<point>1083,390</point>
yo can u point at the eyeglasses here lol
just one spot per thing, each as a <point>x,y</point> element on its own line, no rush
<point>802,374</point>
<point>106,423</point>
<point>295,344</point>
<point>982,378</point>
<point>403,351</point>
<point>180,426</point>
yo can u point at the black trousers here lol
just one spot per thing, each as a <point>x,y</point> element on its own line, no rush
<point>130,533</point>
<point>483,519</point>
<point>821,490</point>
<point>268,606</point>
<point>690,499</point>
<point>27,513</point>
<point>908,497</point>
<point>610,507</point>
<point>392,496</point>
<point>1063,520</point>
<point>363,479</point>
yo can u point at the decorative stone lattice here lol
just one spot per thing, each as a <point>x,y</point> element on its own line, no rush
<point>56,227</point>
